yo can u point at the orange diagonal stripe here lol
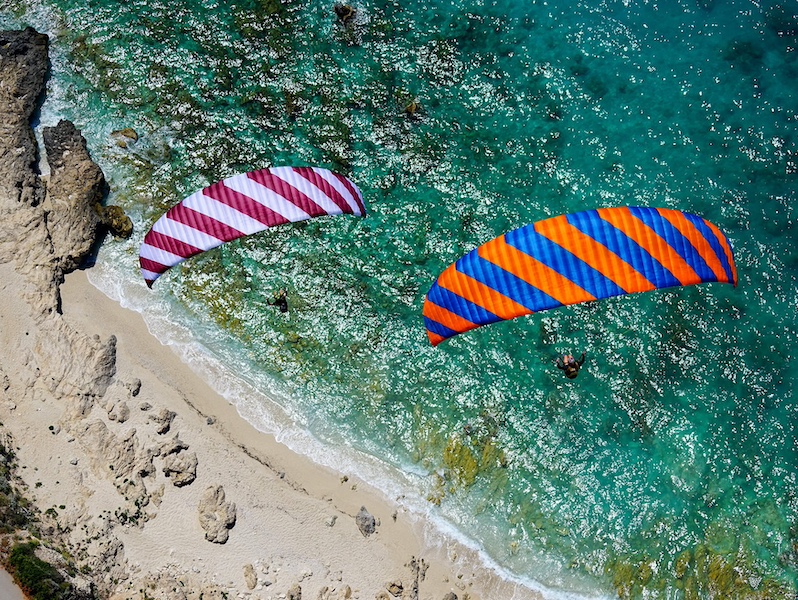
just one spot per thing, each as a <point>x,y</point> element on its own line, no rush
<point>434,338</point>
<point>446,317</point>
<point>698,241</point>
<point>724,243</point>
<point>606,262</point>
<point>534,272</point>
<point>481,295</point>
<point>660,250</point>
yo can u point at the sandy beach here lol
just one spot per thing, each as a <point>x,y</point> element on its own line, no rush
<point>295,521</point>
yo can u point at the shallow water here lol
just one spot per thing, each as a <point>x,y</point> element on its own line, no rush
<point>667,469</point>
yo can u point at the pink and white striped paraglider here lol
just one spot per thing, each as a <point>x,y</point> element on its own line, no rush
<point>242,205</point>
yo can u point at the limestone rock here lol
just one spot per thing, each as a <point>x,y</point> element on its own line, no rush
<point>163,420</point>
<point>395,588</point>
<point>76,185</point>
<point>119,412</point>
<point>23,64</point>
<point>121,456</point>
<point>365,522</point>
<point>294,592</point>
<point>250,577</point>
<point>216,516</point>
<point>450,596</point>
<point>76,364</point>
<point>134,387</point>
<point>172,446</point>
<point>179,466</point>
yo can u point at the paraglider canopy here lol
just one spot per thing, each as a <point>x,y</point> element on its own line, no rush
<point>242,205</point>
<point>576,258</point>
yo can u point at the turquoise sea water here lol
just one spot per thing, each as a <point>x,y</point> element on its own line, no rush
<point>668,468</point>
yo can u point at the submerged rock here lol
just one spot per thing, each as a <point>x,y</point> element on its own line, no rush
<point>125,136</point>
<point>114,219</point>
<point>345,13</point>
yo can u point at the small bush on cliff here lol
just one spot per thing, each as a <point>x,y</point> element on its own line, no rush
<point>39,579</point>
<point>14,509</point>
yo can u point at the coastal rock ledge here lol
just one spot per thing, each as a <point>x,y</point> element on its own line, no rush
<point>63,403</point>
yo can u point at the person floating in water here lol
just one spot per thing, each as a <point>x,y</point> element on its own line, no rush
<point>280,300</point>
<point>570,365</point>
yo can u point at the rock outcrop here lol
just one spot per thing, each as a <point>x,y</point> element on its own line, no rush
<point>50,225</point>
<point>49,228</point>
<point>179,466</point>
<point>366,522</point>
<point>216,515</point>
<point>24,64</point>
<point>76,185</point>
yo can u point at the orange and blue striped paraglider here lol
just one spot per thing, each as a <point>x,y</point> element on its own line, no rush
<point>576,258</point>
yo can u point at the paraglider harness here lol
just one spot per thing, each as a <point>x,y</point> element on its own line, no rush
<point>570,365</point>
<point>280,300</point>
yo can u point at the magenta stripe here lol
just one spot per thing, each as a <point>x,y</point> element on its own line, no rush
<point>348,185</point>
<point>151,265</point>
<point>170,244</point>
<point>324,187</point>
<point>203,223</point>
<point>287,191</point>
<point>243,203</point>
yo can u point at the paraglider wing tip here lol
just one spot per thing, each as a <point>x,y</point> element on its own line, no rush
<point>434,338</point>
<point>149,282</point>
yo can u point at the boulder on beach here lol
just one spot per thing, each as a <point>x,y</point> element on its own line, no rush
<point>216,516</point>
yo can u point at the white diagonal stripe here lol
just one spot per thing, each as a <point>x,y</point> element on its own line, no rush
<point>296,180</point>
<point>163,257</point>
<point>223,213</point>
<point>185,233</point>
<point>149,275</point>
<point>345,193</point>
<point>267,197</point>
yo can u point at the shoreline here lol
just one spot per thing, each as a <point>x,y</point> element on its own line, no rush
<point>296,520</point>
<point>345,475</point>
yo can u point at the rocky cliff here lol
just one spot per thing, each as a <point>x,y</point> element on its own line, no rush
<point>49,226</point>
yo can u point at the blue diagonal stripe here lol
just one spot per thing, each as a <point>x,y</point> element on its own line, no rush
<point>710,237</point>
<point>637,257</point>
<point>460,306</point>
<point>530,242</point>
<point>675,240</point>
<point>438,329</point>
<point>505,283</point>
